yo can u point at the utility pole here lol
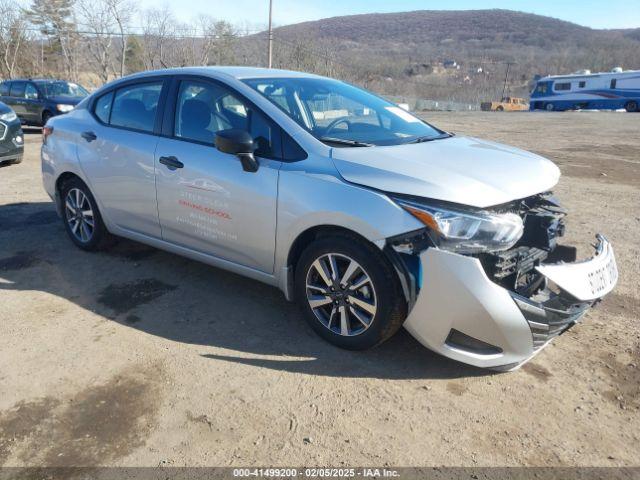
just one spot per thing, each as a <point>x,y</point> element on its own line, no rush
<point>270,46</point>
<point>506,79</point>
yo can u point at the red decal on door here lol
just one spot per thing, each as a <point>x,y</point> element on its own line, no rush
<point>207,210</point>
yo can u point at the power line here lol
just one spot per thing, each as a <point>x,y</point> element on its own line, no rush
<point>175,33</point>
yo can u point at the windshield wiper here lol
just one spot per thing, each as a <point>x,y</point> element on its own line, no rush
<point>344,141</point>
<point>430,139</point>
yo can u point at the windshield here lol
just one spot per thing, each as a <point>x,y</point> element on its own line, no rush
<point>341,114</point>
<point>62,89</point>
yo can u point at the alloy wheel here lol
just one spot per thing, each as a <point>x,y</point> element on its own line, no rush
<point>341,294</point>
<point>79,215</point>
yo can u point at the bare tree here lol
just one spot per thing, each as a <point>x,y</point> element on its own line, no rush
<point>95,17</point>
<point>185,50</point>
<point>13,36</point>
<point>122,12</point>
<point>158,32</point>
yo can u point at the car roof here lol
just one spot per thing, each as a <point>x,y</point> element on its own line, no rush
<point>238,73</point>
<point>34,80</point>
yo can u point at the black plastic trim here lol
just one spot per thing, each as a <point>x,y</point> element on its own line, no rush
<point>139,81</point>
<point>462,341</point>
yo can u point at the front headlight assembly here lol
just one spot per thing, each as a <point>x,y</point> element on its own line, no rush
<point>465,231</point>
<point>8,116</point>
<point>64,108</point>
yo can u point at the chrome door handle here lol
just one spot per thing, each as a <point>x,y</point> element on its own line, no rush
<point>171,162</point>
<point>89,136</point>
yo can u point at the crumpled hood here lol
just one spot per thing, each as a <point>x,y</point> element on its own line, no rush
<point>462,170</point>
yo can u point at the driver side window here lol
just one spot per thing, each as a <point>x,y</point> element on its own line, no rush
<point>203,109</point>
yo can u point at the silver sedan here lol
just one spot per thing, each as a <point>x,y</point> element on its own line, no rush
<point>363,213</point>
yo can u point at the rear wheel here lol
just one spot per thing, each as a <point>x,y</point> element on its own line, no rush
<point>499,108</point>
<point>45,117</point>
<point>349,292</point>
<point>82,219</point>
<point>549,107</point>
<point>631,106</point>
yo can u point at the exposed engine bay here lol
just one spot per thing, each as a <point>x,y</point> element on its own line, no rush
<point>513,269</point>
<point>543,219</point>
<point>536,282</point>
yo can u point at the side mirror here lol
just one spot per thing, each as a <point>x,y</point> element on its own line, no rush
<point>238,142</point>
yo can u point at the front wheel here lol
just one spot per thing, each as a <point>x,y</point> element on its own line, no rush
<point>549,107</point>
<point>45,118</point>
<point>349,292</point>
<point>631,106</point>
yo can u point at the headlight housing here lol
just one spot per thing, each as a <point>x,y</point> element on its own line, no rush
<point>465,231</point>
<point>8,117</point>
<point>64,108</point>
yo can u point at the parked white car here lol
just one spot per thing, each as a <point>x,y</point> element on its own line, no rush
<point>371,218</point>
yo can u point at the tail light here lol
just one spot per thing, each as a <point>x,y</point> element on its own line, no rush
<point>46,131</point>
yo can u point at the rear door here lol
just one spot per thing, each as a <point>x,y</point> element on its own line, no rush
<point>210,204</point>
<point>16,99</point>
<point>116,152</point>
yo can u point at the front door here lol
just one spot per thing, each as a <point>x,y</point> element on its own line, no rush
<point>206,201</point>
<point>32,103</point>
<point>116,148</point>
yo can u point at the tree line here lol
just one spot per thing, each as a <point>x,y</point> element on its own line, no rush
<point>94,41</point>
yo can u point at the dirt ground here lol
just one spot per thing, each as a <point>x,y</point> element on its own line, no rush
<point>137,357</point>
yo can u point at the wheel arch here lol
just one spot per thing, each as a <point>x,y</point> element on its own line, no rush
<point>314,233</point>
<point>632,102</point>
<point>311,234</point>
<point>46,111</point>
<point>60,181</point>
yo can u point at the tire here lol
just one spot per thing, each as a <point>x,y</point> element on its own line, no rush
<point>374,309</point>
<point>45,117</point>
<point>499,108</point>
<point>549,107</point>
<point>631,106</point>
<point>78,222</point>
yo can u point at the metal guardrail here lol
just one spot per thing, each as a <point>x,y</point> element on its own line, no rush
<point>418,104</point>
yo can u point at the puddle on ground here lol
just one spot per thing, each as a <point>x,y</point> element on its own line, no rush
<point>537,371</point>
<point>19,215</point>
<point>96,426</point>
<point>19,261</point>
<point>124,297</point>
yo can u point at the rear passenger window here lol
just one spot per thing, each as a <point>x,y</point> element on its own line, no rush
<point>4,88</point>
<point>102,108</point>
<point>136,106</point>
<point>17,89</point>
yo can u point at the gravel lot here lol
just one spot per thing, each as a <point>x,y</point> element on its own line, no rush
<point>138,357</point>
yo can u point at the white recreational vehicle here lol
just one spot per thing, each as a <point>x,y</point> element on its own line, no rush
<point>613,90</point>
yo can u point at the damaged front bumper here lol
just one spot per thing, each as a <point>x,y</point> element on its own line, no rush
<point>462,314</point>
